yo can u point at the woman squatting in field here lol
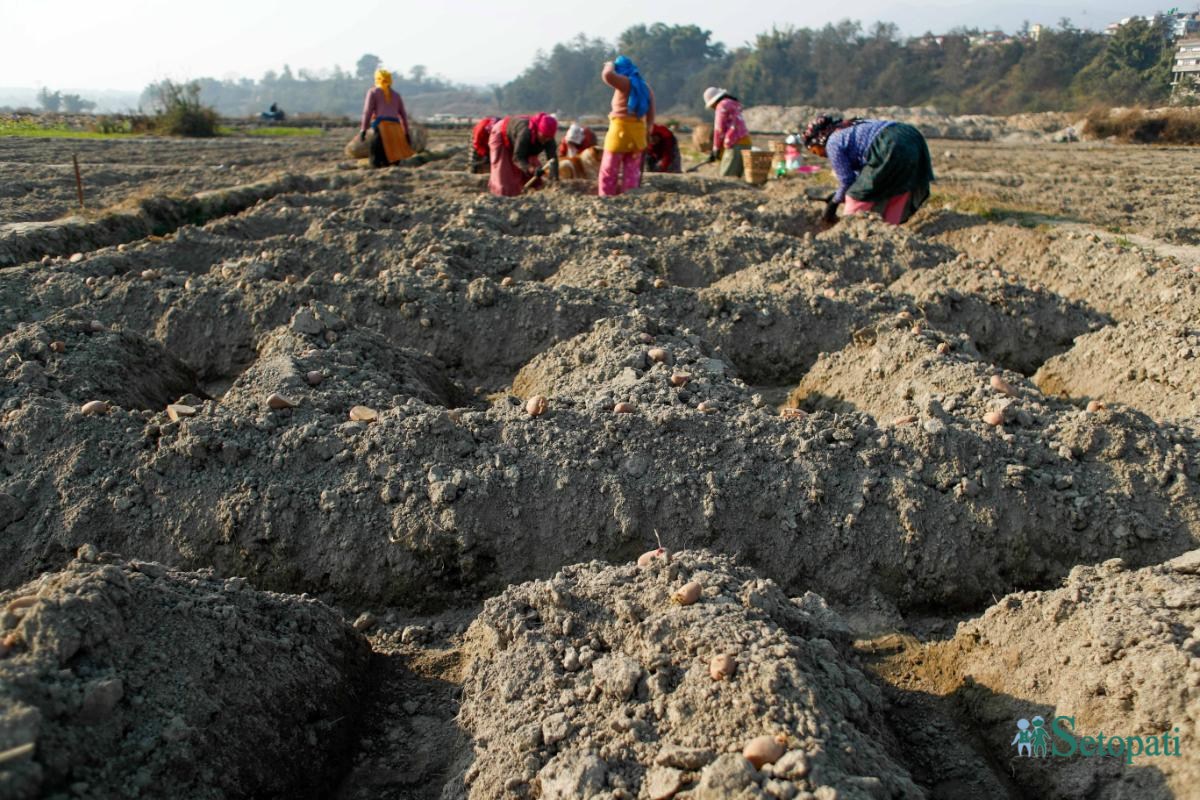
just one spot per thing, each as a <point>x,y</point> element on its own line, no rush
<point>515,145</point>
<point>881,165</point>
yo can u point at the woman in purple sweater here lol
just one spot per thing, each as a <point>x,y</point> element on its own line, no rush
<point>881,166</point>
<point>383,110</point>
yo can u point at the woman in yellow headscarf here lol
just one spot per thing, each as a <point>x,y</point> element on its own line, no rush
<point>383,110</point>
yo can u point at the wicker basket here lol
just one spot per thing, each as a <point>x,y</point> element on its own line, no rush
<point>702,137</point>
<point>756,165</point>
<point>359,148</point>
<point>418,136</point>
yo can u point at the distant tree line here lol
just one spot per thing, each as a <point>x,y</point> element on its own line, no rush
<point>335,92</point>
<point>841,65</point>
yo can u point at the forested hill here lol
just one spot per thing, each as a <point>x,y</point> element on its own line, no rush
<point>842,65</point>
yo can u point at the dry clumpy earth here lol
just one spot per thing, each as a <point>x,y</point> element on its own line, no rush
<point>277,519</point>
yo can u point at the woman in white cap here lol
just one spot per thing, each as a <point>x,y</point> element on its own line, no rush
<point>730,134</point>
<point>578,138</point>
<point>577,158</point>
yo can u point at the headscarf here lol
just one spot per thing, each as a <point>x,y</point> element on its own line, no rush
<point>383,79</point>
<point>544,125</point>
<point>639,93</point>
<point>575,134</point>
<point>820,129</point>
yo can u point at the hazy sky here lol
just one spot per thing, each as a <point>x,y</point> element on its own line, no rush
<point>125,44</point>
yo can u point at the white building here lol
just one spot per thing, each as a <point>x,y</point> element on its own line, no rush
<point>1186,69</point>
<point>1184,25</point>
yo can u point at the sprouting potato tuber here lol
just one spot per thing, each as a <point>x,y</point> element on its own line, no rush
<point>647,558</point>
<point>762,750</point>
<point>722,666</point>
<point>177,411</point>
<point>535,406</point>
<point>94,407</point>
<point>1002,386</point>
<point>279,402</point>
<point>687,594</point>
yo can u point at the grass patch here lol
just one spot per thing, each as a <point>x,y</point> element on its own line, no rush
<point>278,131</point>
<point>60,131</point>
<point>979,205</point>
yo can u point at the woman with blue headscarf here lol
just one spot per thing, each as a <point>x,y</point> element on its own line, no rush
<point>631,116</point>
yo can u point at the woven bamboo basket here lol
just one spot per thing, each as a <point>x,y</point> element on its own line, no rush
<point>418,136</point>
<point>702,137</point>
<point>756,165</point>
<point>357,148</point>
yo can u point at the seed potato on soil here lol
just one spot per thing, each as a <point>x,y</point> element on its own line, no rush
<point>595,680</point>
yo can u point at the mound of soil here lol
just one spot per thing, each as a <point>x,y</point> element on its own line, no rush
<point>69,357</point>
<point>595,681</point>
<point>632,359</point>
<point>1014,325</point>
<point>1113,278</point>
<point>128,679</point>
<point>1148,364</point>
<point>1114,650</point>
<point>901,368</point>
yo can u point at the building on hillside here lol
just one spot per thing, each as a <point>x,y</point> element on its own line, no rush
<point>989,38</point>
<point>1185,26</point>
<point>928,41</point>
<point>1186,70</point>
<point>1035,31</point>
<point>1180,25</point>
